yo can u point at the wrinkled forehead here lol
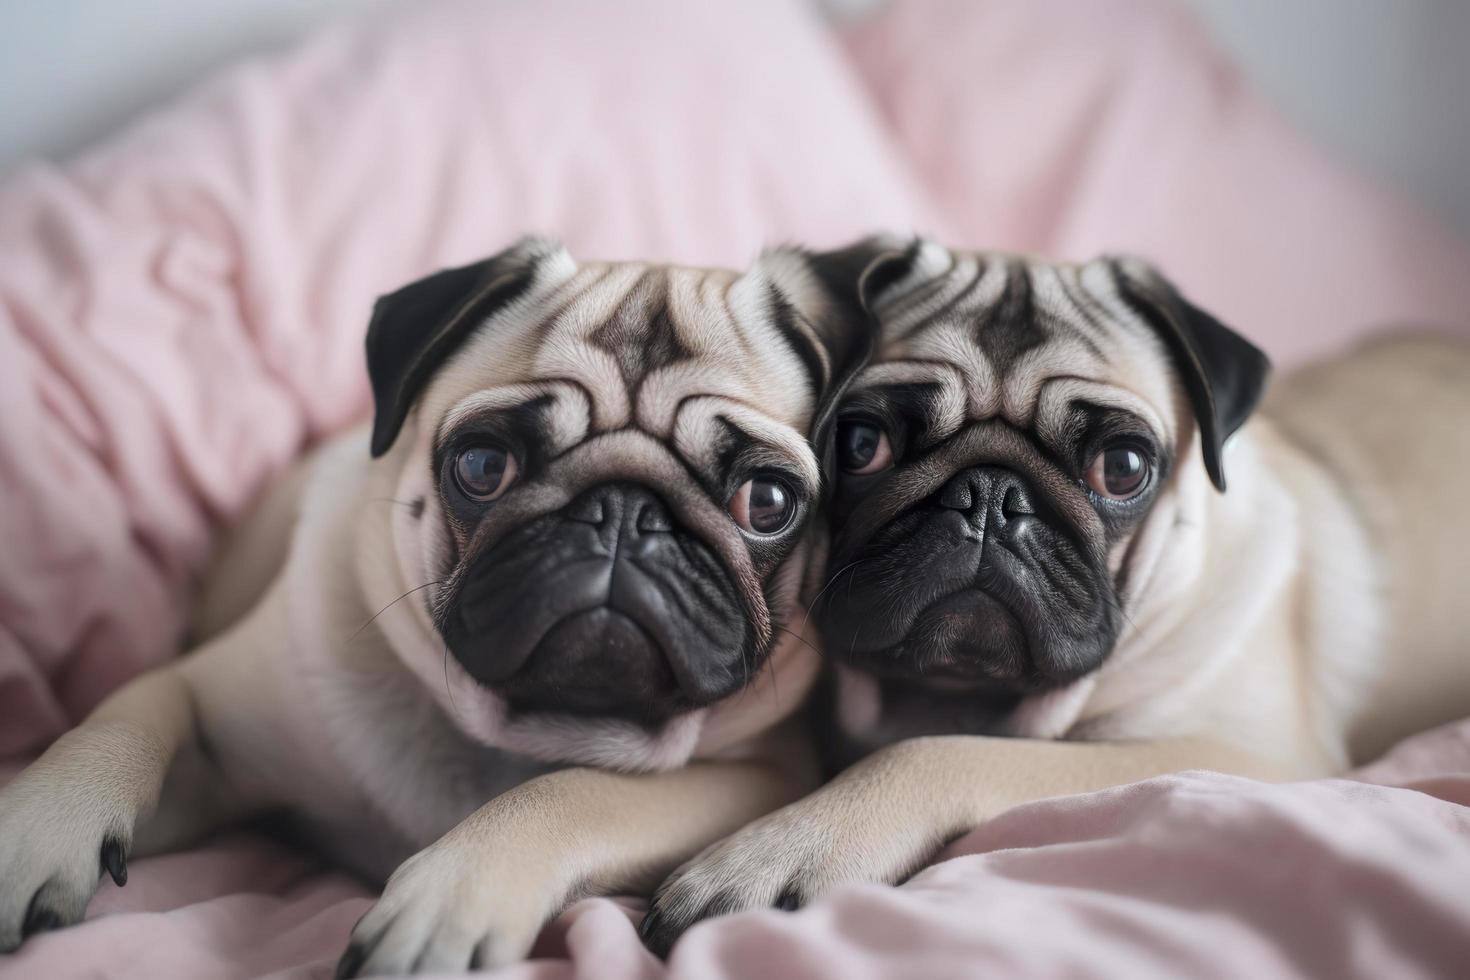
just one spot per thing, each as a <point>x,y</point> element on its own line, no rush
<point>989,335</point>
<point>685,355</point>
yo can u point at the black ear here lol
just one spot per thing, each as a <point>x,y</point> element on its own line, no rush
<point>1223,373</point>
<point>415,329</point>
<point>865,269</point>
<point>856,276</point>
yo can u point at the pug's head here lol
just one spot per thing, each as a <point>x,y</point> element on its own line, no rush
<point>608,482</point>
<point>1004,455</point>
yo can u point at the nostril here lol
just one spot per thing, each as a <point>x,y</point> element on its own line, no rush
<point>958,494</point>
<point>653,519</point>
<point>1016,503</point>
<point>588,509</point>
<point>616,508</point>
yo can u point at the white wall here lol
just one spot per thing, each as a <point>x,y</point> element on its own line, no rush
<point>1384,82</point>
<point>71,70</point>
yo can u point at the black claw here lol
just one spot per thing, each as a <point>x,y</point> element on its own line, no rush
<point>726,902</point>
<point>659,930</point>
<point>649,921</point>
<point>350,962</point>
<point>657,933</point>
<point>39,919</point>
<point>114,861</point>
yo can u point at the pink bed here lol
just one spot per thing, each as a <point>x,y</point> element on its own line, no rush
<point>181,311</point>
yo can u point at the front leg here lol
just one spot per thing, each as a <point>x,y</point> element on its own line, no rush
<point>135,776</point>
<point>72,814</point>
<point>881,820</point>
<point>479,896</point>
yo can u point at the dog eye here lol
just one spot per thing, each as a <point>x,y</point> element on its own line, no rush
<point>763,505</point>
<point>1119,472</point>
<point>862,447</point>
<point>484,472</point>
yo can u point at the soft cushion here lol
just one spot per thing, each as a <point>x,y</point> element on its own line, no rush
<point>182,311</point>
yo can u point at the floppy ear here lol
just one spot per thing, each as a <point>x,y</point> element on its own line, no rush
<point>833,292</point>
<point>846,272</point>
<point>1223,373</point>
<point>867,273</point>
<point>815,302</point>
<point>884,268</point>
<point>854,278</point>
<point>415,329</point>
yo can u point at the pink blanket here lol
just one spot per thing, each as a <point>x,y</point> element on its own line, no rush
<point>182,310</point>
<point>1197,875</point>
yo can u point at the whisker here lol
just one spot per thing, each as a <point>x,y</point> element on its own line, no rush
<point>410,504</point>
<point>776,685</point>
<point>775,674</point>
<point>830,582</point>
<point>800,639</point>
<point>390,606</point>
<point>745,666</point>
<point>1118,608</point>
<point>448,691</point>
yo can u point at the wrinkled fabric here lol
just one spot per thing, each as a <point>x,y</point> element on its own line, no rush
<point>1197,875</point>
<point>182,311</point>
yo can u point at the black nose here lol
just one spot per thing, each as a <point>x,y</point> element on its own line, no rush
<point>623,511</point>
<point>990,496</point>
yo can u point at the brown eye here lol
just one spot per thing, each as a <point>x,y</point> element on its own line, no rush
<point>1119,472</point>
<point>763,505</point>
<point>484,472</point>
<point>862,447</point>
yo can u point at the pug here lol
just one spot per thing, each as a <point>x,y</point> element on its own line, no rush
<point>1040,585</point>
<point>579,530</point>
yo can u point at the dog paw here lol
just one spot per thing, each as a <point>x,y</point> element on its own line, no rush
<point>446,910</point>
<point>782,861</point>
<point>56,841</point>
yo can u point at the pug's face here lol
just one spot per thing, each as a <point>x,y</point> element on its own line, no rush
<point>609,473</point>
<point>1002,456</point>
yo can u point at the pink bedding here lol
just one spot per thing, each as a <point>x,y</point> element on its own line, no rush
<point>181,310</point>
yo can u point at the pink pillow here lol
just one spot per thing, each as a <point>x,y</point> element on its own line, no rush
<point>1073,129</point>
<point>183,308</point>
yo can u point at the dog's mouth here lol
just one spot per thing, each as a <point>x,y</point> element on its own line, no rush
<point>932,602</point>
<point>965,641</point>
<point>598,662</point>
<point>599,617</point>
